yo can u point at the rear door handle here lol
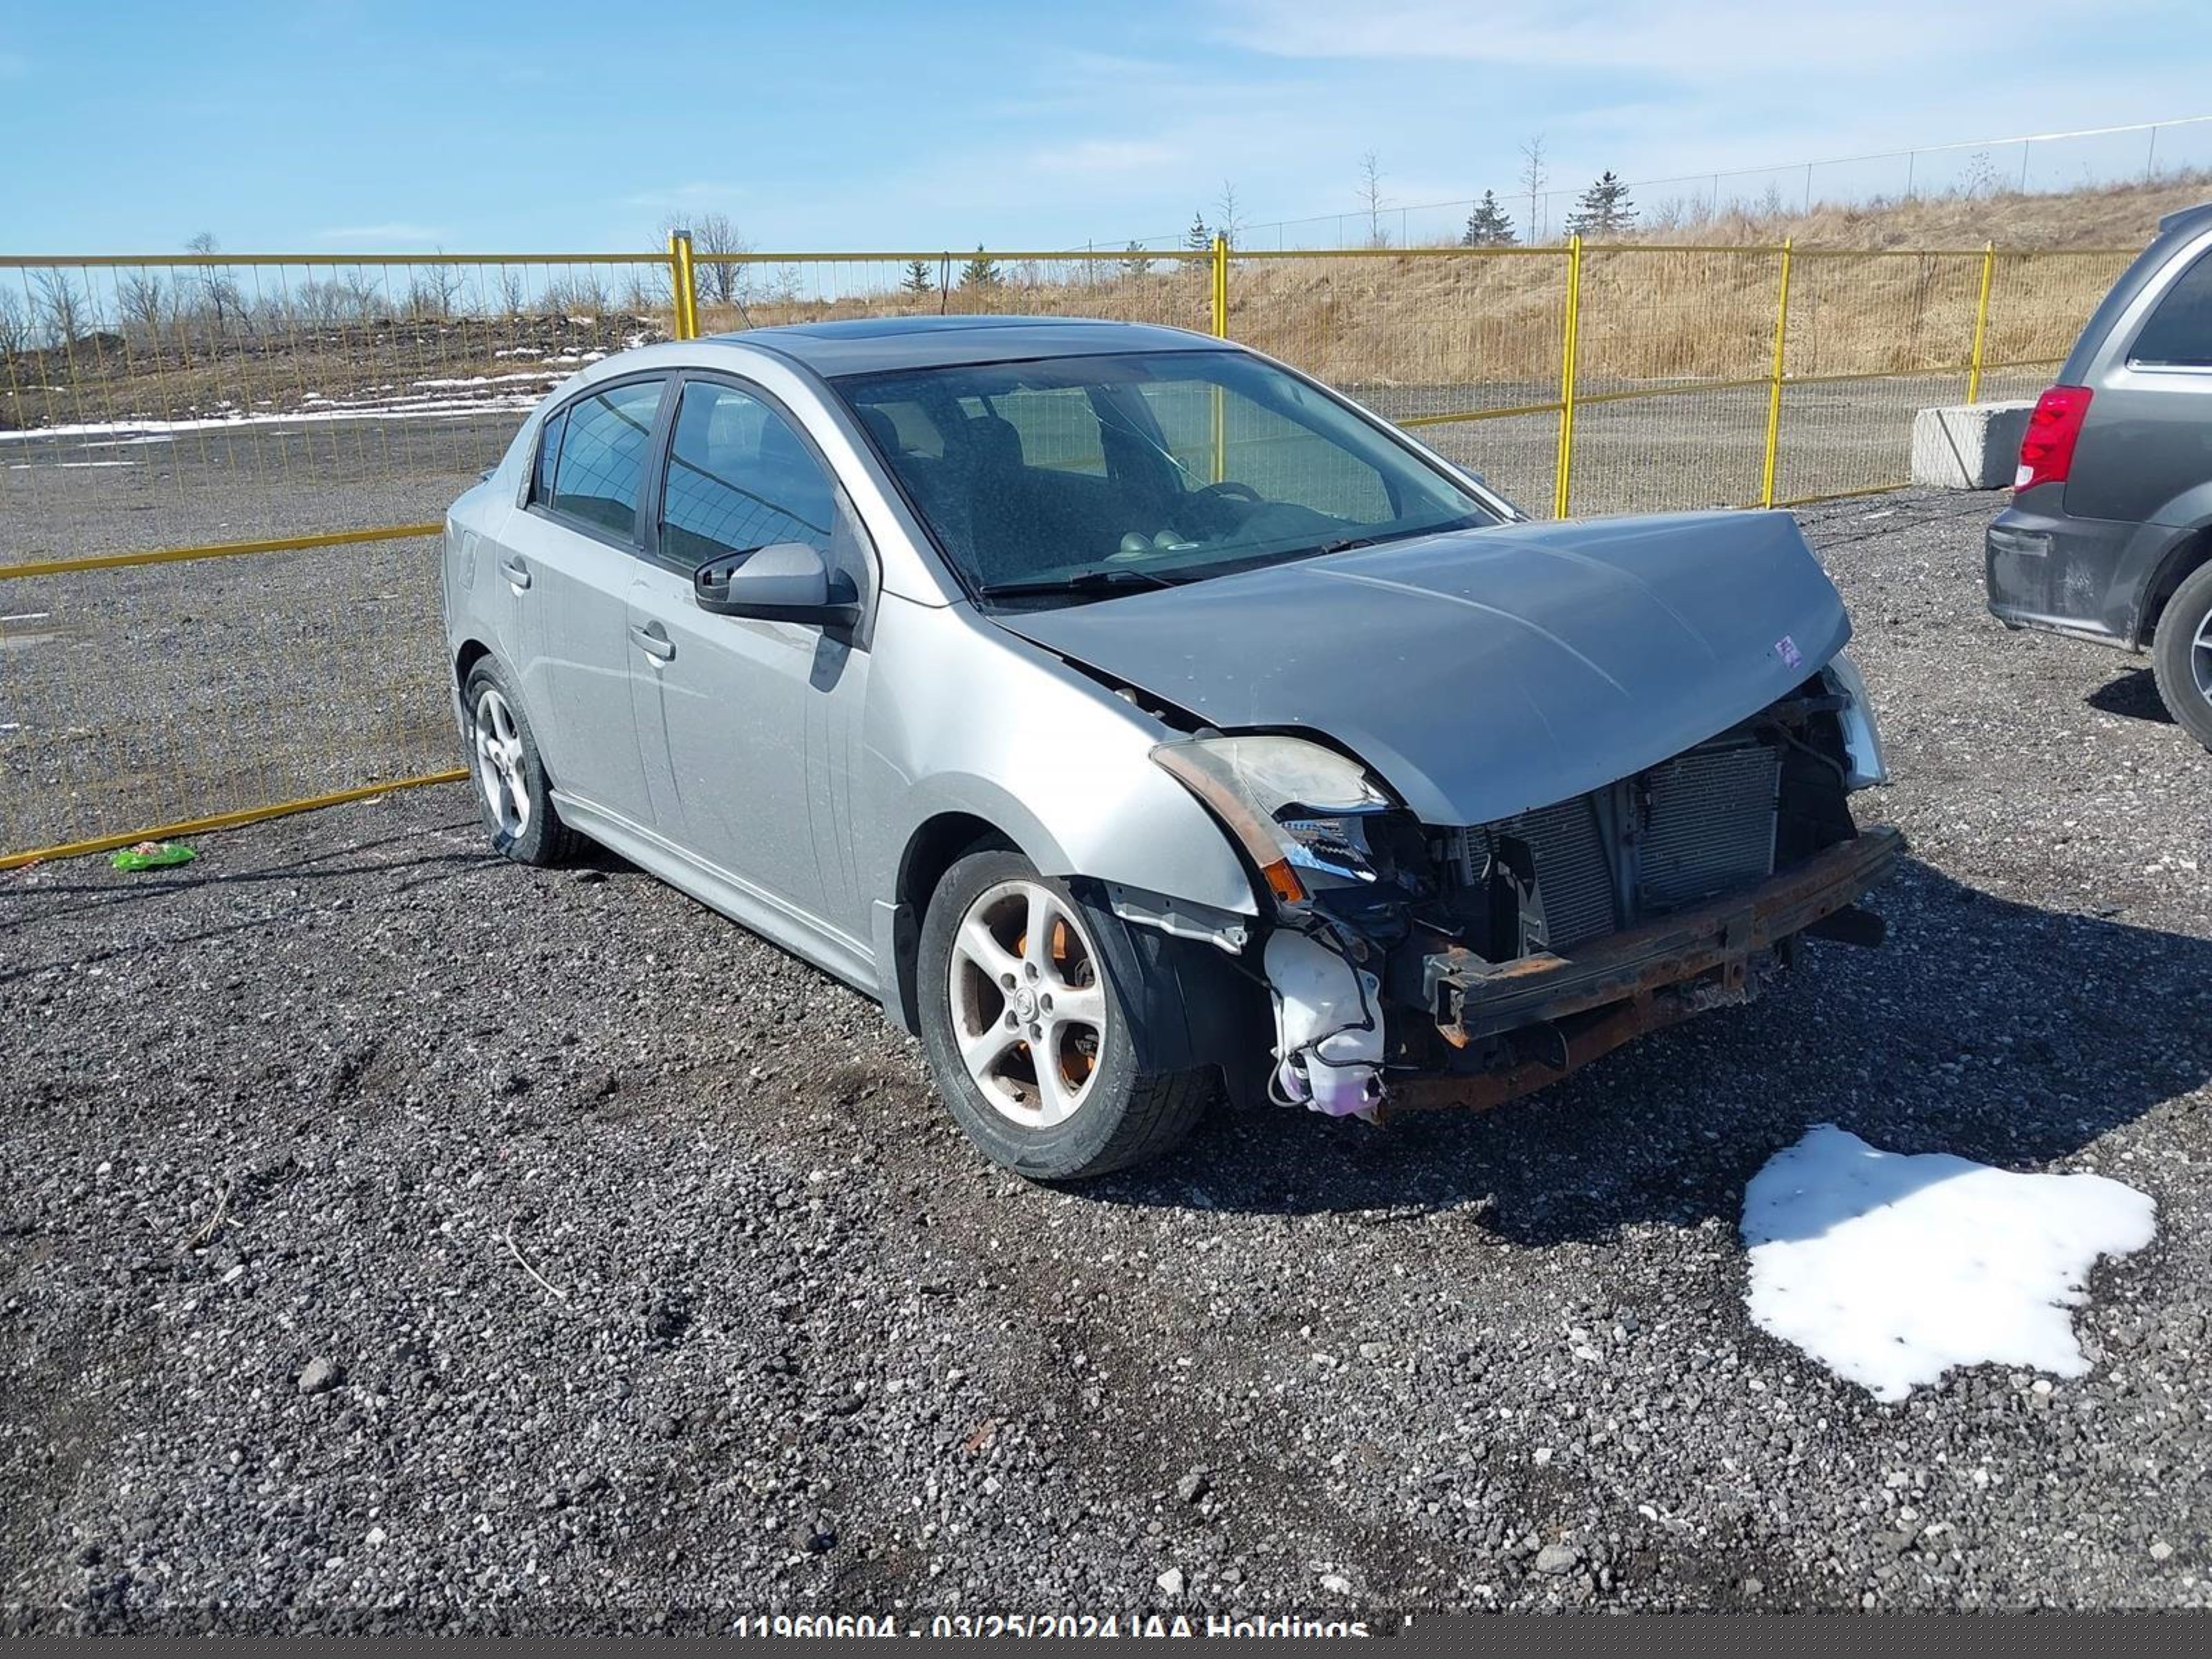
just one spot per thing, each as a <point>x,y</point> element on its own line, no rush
<point>653,641</point>
<point>515,571</point>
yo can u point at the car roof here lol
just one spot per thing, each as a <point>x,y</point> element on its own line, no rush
<point>868,344</point>
<point>2186,218</point>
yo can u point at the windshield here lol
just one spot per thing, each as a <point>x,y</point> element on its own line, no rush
<point>1078,477</point>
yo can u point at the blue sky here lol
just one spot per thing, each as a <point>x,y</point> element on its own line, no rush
<point>306,126</point>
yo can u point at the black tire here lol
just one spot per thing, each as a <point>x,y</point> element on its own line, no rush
<point>535,837</point>
<point>1128,1116</point>
<point>2185,617</point>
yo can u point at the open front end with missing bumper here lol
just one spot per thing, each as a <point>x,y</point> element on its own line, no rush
<point>1417,964</point>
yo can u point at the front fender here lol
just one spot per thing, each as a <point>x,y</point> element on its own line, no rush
<point>985,724</point>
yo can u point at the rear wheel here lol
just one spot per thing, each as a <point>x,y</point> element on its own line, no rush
<point>2181,656</point>
<point>512,795</point>
<point>1029,1041</point>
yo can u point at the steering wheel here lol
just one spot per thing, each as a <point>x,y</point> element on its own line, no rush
<point>1203,504</point>
<point>1230,490</point>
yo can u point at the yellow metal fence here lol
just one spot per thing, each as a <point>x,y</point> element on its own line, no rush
<point>221,475</point>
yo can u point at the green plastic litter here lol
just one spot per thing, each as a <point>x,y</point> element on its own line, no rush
<point>153,855</point>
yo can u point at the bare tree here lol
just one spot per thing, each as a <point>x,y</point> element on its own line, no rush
<point>513,290</point>
<point>220,299</point>
<point>145,304</point>
<point>1982,177</point>
<point>363,300</point>
<point>580,293</point>
<point>433,289</point>
<point>14,326</point>
<point>321,304</point>
<point>1228,219</point>
<point>1533,178</point>
<point>62,307</point>
<point>716,239</point>
<point>1370,197</point>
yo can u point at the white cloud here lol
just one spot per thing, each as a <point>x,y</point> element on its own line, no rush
<point>696,193</point>
<point>1690,40</point>
<point>1096,155</point>
<point>396,230</point>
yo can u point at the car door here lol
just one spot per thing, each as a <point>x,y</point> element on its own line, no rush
<point>750,728</point>
<point>568,560</point>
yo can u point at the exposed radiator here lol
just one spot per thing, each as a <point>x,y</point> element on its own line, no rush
<point>1690,828</point>
<point>1574,876</point>
<point>1710,824</point>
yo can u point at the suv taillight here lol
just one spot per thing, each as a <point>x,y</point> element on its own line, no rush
<point>2046,453</point>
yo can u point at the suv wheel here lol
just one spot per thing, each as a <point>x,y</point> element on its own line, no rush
<point>1028,1039</point>
<point>2181,656</point>
<point>512,793</point>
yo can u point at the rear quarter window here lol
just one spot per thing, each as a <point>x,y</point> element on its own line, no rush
<point>2178,334</point>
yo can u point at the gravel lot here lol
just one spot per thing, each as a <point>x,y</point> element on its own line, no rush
<point>395,1234</point>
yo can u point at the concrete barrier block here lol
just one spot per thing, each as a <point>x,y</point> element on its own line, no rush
<point>1968,445</point>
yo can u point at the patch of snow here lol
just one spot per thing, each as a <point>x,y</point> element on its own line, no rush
<point>1890,1269</point>
<point>26,466</point>
<point>395,408</point>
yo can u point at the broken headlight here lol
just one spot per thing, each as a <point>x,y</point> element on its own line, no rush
<point>1298,808</point>
<point>1862,736</point>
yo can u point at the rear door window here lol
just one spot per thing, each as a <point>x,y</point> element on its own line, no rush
<point>606,443</point>
<point>2179,333</point>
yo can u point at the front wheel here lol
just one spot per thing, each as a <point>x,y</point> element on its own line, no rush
<point>2181,656</point>
<point>1028,1039</point>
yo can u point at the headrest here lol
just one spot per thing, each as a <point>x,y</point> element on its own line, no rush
<point>993,441</point>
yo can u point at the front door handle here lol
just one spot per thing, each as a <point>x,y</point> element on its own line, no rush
<point>515,571</point>
<point>653,641</point>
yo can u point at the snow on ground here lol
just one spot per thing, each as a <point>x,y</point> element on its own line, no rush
<point>396,409</point>
<point>1890,1269</point>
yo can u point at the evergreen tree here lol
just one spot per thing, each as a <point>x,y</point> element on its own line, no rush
<point>1603,209</point>
<point>1487,225</point>
<point>981,271</point>
<point>1135,262</point>
<point>918,281</point>
<point>1198,239</point>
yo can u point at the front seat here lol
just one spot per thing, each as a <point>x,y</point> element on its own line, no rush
<point>1002,510</point>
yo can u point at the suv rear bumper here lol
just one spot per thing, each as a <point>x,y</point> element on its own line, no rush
<point>2060,575</point>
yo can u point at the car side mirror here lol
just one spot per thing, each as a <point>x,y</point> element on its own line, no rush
<point>784,582</point>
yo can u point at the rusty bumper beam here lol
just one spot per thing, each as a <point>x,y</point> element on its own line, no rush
<point>1637,981</point>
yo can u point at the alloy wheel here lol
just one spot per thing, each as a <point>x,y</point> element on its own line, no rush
<point>2200,657</point>
<point>1029,1012</point>
<point>500,771</point>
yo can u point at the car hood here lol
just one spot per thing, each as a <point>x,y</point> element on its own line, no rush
<point>1484,672</point>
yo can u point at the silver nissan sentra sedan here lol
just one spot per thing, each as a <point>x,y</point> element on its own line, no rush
<point>1133,716</point>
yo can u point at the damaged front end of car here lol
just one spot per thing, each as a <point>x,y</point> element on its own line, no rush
<point>1419,964</point>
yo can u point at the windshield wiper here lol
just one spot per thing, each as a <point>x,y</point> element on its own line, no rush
<point>1347,544</point>
<point>1083,581</point>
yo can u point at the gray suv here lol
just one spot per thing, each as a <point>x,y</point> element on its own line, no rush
<point>2109,536</point>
